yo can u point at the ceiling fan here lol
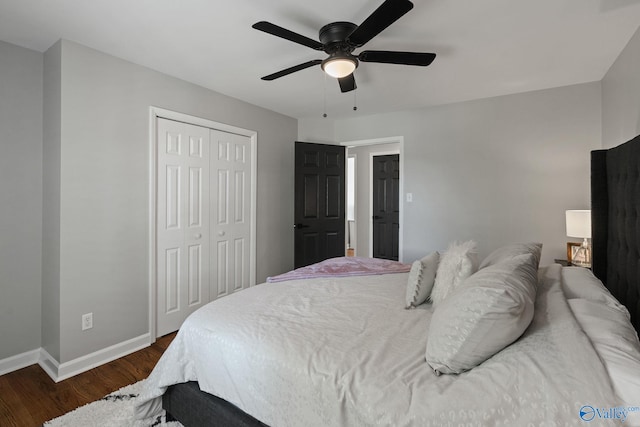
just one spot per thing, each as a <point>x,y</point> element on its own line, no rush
<point>340,39</point>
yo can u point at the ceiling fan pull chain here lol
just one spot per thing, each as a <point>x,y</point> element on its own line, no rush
<point>324,93</point>
<point>355,100</point>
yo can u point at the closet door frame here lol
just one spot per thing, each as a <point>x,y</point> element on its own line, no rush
<point>154,114</point>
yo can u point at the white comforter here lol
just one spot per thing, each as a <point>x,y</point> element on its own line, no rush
<point>344,352</point>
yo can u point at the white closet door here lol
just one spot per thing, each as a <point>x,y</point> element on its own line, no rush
<point>230,213</point>
<point>183,228</point>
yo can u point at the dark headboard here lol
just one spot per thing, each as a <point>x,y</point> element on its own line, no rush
<point>615,222</point>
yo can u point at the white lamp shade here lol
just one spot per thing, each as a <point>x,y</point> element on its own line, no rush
<point>579,223</point>
<point>339,67</point>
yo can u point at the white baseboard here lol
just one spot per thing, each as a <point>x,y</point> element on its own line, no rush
<point>19,361</point>
<point>61,371</point>
<point>48,364</point>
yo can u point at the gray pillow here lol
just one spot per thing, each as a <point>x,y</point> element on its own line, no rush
<point>458,262</point>
<point>509,251</point>
<point>489,311</point>
<point>421,278</point>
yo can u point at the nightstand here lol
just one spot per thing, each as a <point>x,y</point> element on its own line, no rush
<point>562,262</point>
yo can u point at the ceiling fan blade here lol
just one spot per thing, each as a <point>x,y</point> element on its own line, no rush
<point>277,31</point>
<point>348,83</point>
<point>293,69</point>
<point>392,57</point>
<point>386,14</point>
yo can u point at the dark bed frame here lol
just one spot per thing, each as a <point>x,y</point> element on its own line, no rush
<point>194,408</point>
<point>615,213</point>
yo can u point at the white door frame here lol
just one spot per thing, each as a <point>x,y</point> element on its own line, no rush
<point>388,140</point>
<point>353,237</point>
<point>154,114</point>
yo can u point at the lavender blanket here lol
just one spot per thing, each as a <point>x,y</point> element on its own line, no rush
<point>343,267</point>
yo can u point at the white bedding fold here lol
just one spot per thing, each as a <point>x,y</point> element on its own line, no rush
<point>335,352</point>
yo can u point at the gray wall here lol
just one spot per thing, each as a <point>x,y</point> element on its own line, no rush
<point>621,96</point>
<point>52,100</point>
<point>20,198</point>
<point>319,130</point>
<point>104,182</point>
<point>496,170</point>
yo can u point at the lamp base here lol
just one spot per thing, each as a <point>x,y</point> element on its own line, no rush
<point>582,255</point>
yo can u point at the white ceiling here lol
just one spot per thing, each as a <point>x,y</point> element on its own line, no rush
<point>485,47</point>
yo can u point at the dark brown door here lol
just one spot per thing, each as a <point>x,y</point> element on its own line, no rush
<point>319,202</point>
<point>386,206</point>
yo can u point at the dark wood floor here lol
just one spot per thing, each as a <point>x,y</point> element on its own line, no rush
<point>28,397</point>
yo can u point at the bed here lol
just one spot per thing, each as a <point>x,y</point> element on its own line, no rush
<point>343,349</point>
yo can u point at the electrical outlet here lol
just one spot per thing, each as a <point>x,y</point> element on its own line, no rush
<point>87,321</point>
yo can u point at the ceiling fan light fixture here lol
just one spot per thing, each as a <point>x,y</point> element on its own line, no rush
<point>339,66</point>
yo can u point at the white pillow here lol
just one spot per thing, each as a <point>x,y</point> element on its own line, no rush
<point>487,313</point>
<point>509,251</point>
<point>421,277</point>
<point>456,264</point>
<point>615,341</point>
<point>580,282</point>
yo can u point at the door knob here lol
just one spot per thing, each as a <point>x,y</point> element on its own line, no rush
<point>221,233</point>
<point>299,225</point>
<point>197,236</point>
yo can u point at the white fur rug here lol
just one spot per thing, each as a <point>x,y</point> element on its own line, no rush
<point>113,410</point>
